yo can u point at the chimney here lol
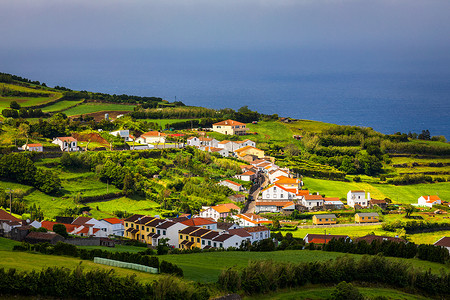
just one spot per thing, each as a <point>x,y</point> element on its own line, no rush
<point>428,197</point>
<point>91,231</point>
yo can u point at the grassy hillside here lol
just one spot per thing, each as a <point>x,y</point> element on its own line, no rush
<point>61,105</point>
<point>51,96</point>
<point>97,107</point>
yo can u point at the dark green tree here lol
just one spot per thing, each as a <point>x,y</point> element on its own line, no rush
<point>14,105</point>
<point>61,230</point>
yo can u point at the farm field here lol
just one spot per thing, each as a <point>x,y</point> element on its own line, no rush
<point>88,108</point>
<point>398,194</point>
<point>135,205</point>
<point>321,292</point>
<point>206,267</point>
<point>273,131</point>
<point>164,122</point>
<point>27,101</point>
<point>61,105</point>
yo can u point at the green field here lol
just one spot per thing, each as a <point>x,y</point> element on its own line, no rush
<point>271,131</point>
<point>61,105</point>
<point>97,107</point>
<point>321,292</point>
<point>206,267</point>
<point>136,205</point>
<point>27,101</point>
<point>164,122</point>
<point>398,194</point>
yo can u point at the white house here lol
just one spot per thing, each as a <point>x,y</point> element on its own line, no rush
<point>277,192</point>
<point>88,222</point>
<point>221,151</point>
<point>277,173</point>
<point>232,185</point>
<point>273,206</point>
<point>249,220</point>
<point>220,211</point>
<point>230,127</point>
<point>202,141</point>
<point>247,176</point>
<point>33,147</point>
<point>114,226</point>
<point>311,201</point>
<point>226,240</point>
<point>258,233</point>
<point>170,230</point>
<point>66,143</point>
<point>152,137</point>
<point>242,233</point>
<point>288,183</point>
<point>333,203</point>
<point>358,197</point>
<point>429,201</point>
<point>125,134</point>
<point>207,239</point>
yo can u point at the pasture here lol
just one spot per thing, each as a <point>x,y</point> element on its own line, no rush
<point>88,108</point>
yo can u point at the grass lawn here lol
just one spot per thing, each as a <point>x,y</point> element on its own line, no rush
<point>133,205</point>
<point>206,267</point>
<point>323,292</point>
<point>7,244</point>
<point>27,101</point>
<point>352,231</point>
<point>87,186</point>
<point>117,248</point>
<point>25,261</point>
<point>428,238</point>
<point>163,122</point>
<point>398,194</point>
<point>273,131</point>
<point>96,107</point>
<point>61,105</point>
<point>308,125</point>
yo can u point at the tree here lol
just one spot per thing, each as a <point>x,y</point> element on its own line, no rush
<point>14,105</point>
<point>128,184</point>
<point>346,291</point>
<point>276,225</point>
<point>409,209</point>
<point>61,230</point>
<point>163,246</point>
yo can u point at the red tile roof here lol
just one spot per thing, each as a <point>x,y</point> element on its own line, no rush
<point>256,229</point>
<point>49,226</point>
<point>228,123</point>
<point>198,222</point>
<point>113,220</point>
<point>67,139</point>
<point>232,182</point>
<point>7,216</point>
<point>227,207</point>
<point>153,133</point>
<point>34,145</point>
<point>444,242</point>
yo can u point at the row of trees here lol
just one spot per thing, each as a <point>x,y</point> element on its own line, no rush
<point>265,276</point>
<point>23,113</point>
<point>415,226</point>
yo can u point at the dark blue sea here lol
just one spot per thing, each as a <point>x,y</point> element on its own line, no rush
<point>387,90</point>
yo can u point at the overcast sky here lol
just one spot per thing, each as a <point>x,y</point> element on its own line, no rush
<point>223,24</point>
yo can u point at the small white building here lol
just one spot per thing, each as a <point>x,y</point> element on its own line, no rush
<point>250,220</point>
<point>230,127</point>
<point>273,206</point>
<point>277,192</point>
<point>169,229</point>
<point>358,197</point>
<point>125,134</point>
<point>277,173</point>
<point>114,226</point>
<point>221,151</point>
<point>258,233</point>
<point>66,143</point>
<point>311,201</point>
<point>152,137</point>
<point>429,201</point>
<point>33,147</point>
<point>220,211</point>
<point>202,141</point>
<point>232,185</point>
<point>246,176</point>
<point>226,241</point>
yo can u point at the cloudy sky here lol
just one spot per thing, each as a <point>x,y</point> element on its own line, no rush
<point>226,24</point>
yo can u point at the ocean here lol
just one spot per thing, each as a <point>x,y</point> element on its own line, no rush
<point>387,90</point>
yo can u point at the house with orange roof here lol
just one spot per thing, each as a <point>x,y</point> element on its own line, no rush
<point>220,211</point>
<point>273,174</point>
<point>323,238</point>
<point>312,201</point>
<point>429,201</point>
<point>249,150</point>
<point>230,127</point>
<point>8,221</point>
<point>66,143</point>
<point>250,219</point>
<point>206,223</point>
<point>287,182</point>
<point>49,226</point>
<point>33,147</point>
<point>152,137</point>
<point>237,187</point>
<point>246,176</point>
<point>273,206</point>
<point>279,193</point>
<point>221,151</point>
<point>444,242</point>
<point>114,226</point>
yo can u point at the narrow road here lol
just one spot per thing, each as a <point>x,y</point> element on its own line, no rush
<point>253,196</point>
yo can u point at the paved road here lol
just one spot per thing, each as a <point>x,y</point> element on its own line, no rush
<point>250,205</point>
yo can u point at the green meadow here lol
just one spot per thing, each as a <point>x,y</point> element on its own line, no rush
<point>61,105</point>
<point>97,107</point>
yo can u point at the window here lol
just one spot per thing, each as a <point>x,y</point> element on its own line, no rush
<point>209,243</point>
<point>203,242</point>
<point>159,231</point>
<point>215,245</point>
<point>153,229</point>
<point>198,240</point>
<point>181,236</point>
<point>192,239</point>
<point>147,229</point>
<point>143,237</point>
<point>164,232</point>
<point>281,196</point>
<point>142,227</point>
<point>132,225</point>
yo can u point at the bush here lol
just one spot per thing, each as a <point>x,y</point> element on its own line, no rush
<point>346,291</point>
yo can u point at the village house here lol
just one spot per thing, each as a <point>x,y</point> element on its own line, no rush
<point>201,222</point>
<point>249,150</point>
<point>312,201</point>
<point>169,230</point>
<point>373,203</point>
<point>149,231</point>
<point>371,237</point>
<point>125,134</point>
<point>246,176</point>
<point>273,174</point>
<point>274,206</point>
<point>237,187</point>
<point>83,221</point>
<point>114,226</point>
<point>333,203</point>
<point>226,241</point>
<point>237,198</point>
<point>428,201</point>
<point>43,237</point>
<point>226,226</point>
<point>258,233</point>
<point>202,141</point>
<point>444,242</point>
<point>277,192</point>
<point>220,211</point>
<point>33,147</point>
<point>322,238</point>
<point>185,240</point>
<point>358,198</point>
<point>241,232</point>
<point>66,143</point>
<point>8,222</point>
<point>220,151</point>
<point>366,217</point>
<point>230,127</point>
<point>152,137</point>
<point>250,220</point>
<point>207,239</point>
<point>324,219</point>
<point>288,183</point>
